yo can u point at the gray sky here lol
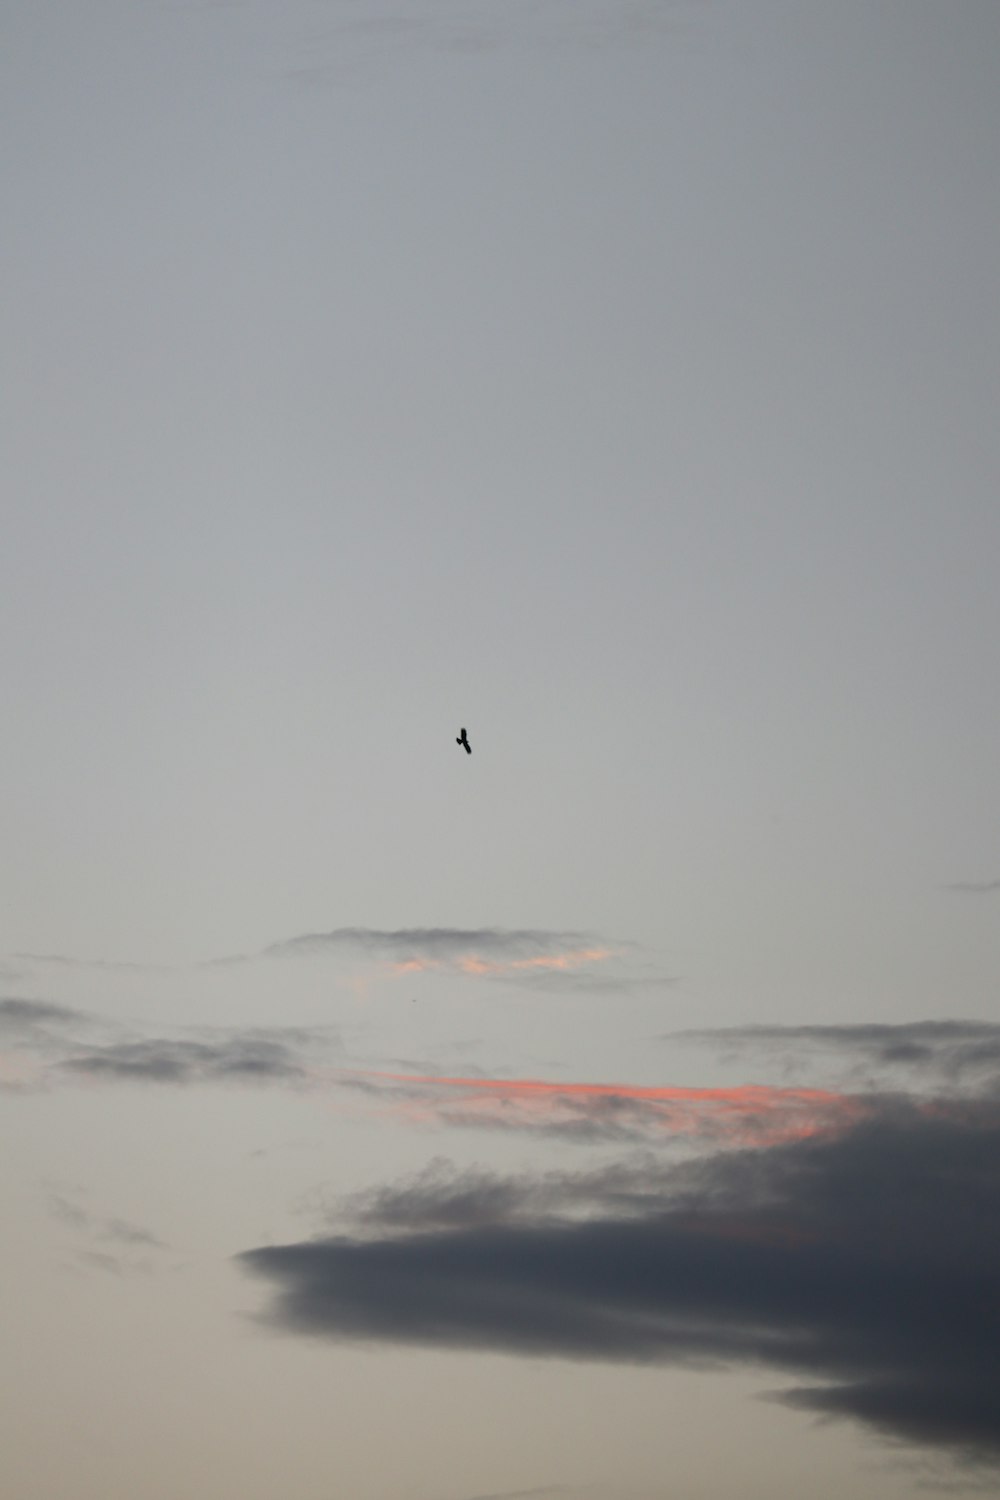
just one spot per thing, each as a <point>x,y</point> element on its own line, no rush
<point>618,380</point>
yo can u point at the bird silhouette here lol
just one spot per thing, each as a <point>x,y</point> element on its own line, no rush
<point>463,739</point>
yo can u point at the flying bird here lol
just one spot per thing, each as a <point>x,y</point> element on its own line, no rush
<point>463,739</point>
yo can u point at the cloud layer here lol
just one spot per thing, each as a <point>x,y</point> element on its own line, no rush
<point>863,1263</point>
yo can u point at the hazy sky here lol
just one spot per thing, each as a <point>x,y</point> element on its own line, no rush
<point>613,1113</point>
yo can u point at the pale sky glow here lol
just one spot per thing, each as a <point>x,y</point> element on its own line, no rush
<point>612,1113</point>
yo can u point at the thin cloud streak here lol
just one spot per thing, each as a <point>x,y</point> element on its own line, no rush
<point>68,961</point>
<point>862,1263</point>
<point>103,1227</point>
<point>243,1058</point>
<point>480,967</point>
<point>35,1030</point>
<point>437,945</point>
<point>953,1050</point>
<point>525,954</point>
<point>16,1015</point>
<point>53,1044</point>
<point>605,1111</point>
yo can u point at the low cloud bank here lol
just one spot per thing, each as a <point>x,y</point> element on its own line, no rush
<point>863,1263</point>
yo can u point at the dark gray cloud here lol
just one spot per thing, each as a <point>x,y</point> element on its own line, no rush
<point>243,1057</point>
<point>949,1049</point>
<point>439,1197</point>
<point>974,887</point>
<point>863,1263</point>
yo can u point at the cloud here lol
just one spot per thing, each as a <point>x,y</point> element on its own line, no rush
<point>246,1057</point>
<point>974,887</point>
<point>954,1050</point>
<point>103,1227</point>
<point>52,1043</point>
<point>464,948</point>
<point>31,1029</point>
<point>570,979</point>
<point>610,1111</point>
<point>100,1260</point>
<point>863,1264</point>
<point>133,1245</point>
<point>68,961</point>
<point>551,960</point>
<point>26,1017</point>
<point>439,1196</point>
<point>530,956</point>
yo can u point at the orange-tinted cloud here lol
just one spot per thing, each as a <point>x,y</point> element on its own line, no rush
<point>476,964</point>
<point>751,1115</point>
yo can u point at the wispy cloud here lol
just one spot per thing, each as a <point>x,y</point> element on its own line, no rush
<point>68,961</point>
<point>134,1247</point>
<point>51,1043</point>
<point>610,1111</point>
<point>101,1226</point>
<point>548,960</point>
<point>529,956</point>
<point>241,1057</point>
<point>974,887</point>
<point>863,1263</point>
<point>950,1050</point>
<point>100,1260</point>
<point>25,1017</point>
<point>442,945</point>
<point>476,964</point>
<point>33,1030</point>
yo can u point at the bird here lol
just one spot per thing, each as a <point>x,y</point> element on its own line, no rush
<point>463,739</point>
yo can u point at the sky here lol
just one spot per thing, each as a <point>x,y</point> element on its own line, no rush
<point>612,1113</point>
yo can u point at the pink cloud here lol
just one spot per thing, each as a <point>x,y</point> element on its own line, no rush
<point>752,1115</point>
<point>474,964</point>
